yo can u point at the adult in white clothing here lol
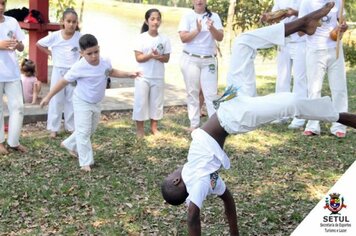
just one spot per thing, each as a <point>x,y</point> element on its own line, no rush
<point>291,60</point>
<point>321,59</point>
<point>198,30</point>
<point>11,37</point>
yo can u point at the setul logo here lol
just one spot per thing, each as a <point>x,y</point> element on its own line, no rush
<point>334,204</point>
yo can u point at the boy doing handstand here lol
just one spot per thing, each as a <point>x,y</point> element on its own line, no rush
<point>90,73</point>
<point>199,178</point>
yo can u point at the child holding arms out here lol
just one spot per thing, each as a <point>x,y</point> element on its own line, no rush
<point>63,47</point>
<point>31,86</point>
<point>10,80</point>
<point>90,73</point>
<point>152,51</point>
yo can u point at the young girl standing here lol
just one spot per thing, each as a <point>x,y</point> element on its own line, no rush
<point>31,86</point>
<point>63,47</point>
<point>152,51</point>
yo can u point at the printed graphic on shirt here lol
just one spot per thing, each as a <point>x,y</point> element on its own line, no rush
<point>160,48</point>
<point>10,34</point>
<point>107,72</point>
<point>212,68</point>
<point>213,179</point>
<point>75,49</point>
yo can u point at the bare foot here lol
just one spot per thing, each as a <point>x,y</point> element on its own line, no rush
<point>53,135</point>
<point>20,148</point>
<point>312,19</point>
<point>140,134</point>
<point>86,168</point>
<point>155,132</point>
<point>3,150</point>
<point>71,152</point>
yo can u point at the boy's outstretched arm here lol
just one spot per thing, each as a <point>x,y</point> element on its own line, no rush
<point>57,87</point>
<point>194,227</point>
<point>230,211</point>
<point>124,74</point>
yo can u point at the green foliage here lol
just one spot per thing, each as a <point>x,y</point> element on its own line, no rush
<point>350,53</point>
<point>221,8</point>
<point>60,6</point>
<point>247,12</point>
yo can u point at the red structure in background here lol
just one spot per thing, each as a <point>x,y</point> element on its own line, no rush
<point>36,32</point>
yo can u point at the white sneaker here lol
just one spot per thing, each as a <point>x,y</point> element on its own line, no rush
<point>280,121</point>
<point>295,126</point>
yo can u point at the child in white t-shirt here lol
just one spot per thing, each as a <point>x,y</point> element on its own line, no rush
<point>152,51</point>
<point>11,37</point>
<point>90,73</point>
<point>31,86</point>
<point>63,47</point>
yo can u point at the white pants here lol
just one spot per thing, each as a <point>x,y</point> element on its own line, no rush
<point>87,116</point>
<point>60,103</point>
<point>320,62</point>
<point>149,99</point>
<point>243,113</point>
<point>241,73</point>
<point>199,73</point>
<point>13,92</point>
<point>292,55</point>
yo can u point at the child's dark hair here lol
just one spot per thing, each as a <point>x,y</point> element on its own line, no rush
<point>28,67</point>
<point>87,41</point>
<point>171,194</point>
<point>67,11</point>
<point>144,27</point>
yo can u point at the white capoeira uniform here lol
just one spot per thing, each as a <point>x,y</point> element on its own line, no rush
<point>242,69</point>
<point>64,54</point>
<point>87,97</point>
<point>291,60</point>
<point>240,115</point>
<point>244,113</point>
<point>149,89</point>
<point>200,174</point>
<point>199,64</point>
<point>321,59</point>
<point>10,83</point>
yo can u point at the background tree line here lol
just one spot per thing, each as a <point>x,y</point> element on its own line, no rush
<point>237,16</point>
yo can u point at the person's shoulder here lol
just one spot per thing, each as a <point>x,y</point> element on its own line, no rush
<point>189,13</point>
<point>105,61</point>
<point>163,36</point>
<point>10,19</point>
<point>77,34</point>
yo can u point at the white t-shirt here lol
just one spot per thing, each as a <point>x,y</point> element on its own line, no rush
<point>91,80</point>
<point>203,43</point>
<point>285,4</point>
<point>9,67</point>
<point>205,157</point>
<point>65,52</point>
<point>145,43</point>
<point>321,38</point>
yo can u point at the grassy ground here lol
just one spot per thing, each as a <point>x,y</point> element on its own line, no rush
<point>277,177</point>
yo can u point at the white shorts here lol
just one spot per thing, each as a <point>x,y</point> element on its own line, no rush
<point>149,99</point>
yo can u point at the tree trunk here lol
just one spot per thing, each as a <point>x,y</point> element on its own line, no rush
<point>229,28</point>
